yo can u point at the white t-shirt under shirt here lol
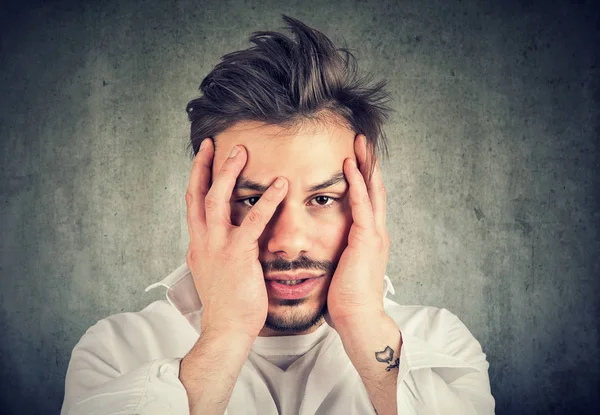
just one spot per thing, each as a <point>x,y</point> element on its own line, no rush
<point>284,363</point>
<point>282,351</point>
<point>129,364</point>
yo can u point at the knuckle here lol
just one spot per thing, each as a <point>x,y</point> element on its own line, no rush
<point>383,241</point>
<point>189,198</point>
<point>229,167</point>
<point>362,200</point>
<point>254,216</point>
<point>225,169</point>
<point>210,202</point>
<point>269,196</point>
<point>192,257</point>
<point>197,163</point>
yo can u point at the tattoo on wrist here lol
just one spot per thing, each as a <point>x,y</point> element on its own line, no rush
<point>387,356</point>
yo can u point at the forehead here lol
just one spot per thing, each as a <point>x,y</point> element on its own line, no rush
<point>305,154</point>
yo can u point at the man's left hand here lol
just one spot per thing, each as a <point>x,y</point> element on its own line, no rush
<point>356,292</point>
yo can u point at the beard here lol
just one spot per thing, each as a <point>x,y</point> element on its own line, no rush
<point>295,318</point>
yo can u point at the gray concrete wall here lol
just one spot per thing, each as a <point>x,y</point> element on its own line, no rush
<point>494,164</point>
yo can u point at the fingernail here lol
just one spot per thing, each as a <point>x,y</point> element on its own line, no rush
<point>202,144</point>
<point>234,151</point>
<point>353,162</point>
<point>279,183</point>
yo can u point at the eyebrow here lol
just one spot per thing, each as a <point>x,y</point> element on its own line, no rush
<point>247,184</point>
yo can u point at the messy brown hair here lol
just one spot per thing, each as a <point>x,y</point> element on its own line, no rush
<point>290,83</point>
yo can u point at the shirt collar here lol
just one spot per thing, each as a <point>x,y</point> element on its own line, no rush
<point>181,293</point>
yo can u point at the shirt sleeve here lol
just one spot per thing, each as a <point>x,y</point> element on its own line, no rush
<point>95,385</point>
<point>447,374</point>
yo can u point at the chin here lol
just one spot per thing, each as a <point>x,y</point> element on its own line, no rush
<point>294,319</point>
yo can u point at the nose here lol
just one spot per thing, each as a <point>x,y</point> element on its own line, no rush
<point>287,234</point>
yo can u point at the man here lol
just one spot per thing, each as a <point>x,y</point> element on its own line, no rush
<point>281,305</point>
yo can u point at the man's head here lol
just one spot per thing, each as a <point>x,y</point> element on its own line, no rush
<point>296,106</point>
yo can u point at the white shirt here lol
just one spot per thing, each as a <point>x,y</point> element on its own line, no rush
<point>128,363</point>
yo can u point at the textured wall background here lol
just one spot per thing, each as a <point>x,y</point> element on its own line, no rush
<point>491,181</point>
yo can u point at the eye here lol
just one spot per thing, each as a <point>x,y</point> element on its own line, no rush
<point>250,201</point>
<point>323,201</point>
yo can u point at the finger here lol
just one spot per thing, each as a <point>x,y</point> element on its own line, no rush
<point>375,185</point>
<point>360,151</point>
<point>362,210</point>
<point>378,197</point>
<point>217,201</point>
<point>198,185</point>
<point>261,213</point>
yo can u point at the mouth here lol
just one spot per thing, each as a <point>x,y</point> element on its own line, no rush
<point>292,286</point>
<point>290,282</point>
<point>293,278</point>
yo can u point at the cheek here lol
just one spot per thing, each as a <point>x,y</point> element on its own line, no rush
<point>333,235</point>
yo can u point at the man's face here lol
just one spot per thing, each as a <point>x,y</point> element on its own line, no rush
<point>309,230</point>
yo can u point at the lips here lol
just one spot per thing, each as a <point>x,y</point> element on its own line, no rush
<point>291,277</point>
<point>285,291</point>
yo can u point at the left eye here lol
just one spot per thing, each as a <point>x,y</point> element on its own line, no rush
<point>323,200</point>
<point>249,202</point>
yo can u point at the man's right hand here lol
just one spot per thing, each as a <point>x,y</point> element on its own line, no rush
<point>222,257</point>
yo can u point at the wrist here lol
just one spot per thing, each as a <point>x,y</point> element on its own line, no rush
<point>210,369</point>
<point>226,327</point>
<point>228,335</point>
<point>363,344</point>
<point>361,321</point>
<point>356,333</point>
